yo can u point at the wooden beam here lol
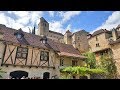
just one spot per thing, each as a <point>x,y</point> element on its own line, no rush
<point>32,57</point>
<point>31,66</point>
<point>15,56</point>
<point>26,56</point>
<point>10,55</point>
<point>4,53</point>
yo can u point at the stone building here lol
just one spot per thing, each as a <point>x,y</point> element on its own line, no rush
<point>34,55</point>
<point>77,39</point>
<point>106,42</point>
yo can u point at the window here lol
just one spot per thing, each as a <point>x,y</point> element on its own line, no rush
<point>22,52</point>
<point>19,36</point>
<point>74,77</point>
<point>44,56</point>
<point>78,38</point>
<point>45,24</point>
<point>74,42</point>
<point>74,63</point>
<point>96,38</point>
<point>46,75</point>
<point>61,61</point>
<point>97,45</point>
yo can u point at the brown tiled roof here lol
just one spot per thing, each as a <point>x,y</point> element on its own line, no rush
<point>81,31</point>
<point>111,42</point>
<point>34,40</point>
<point>56,32</point>
<point>118,33</point>
<point>118,26</point>
<point>68,31</point>
<point>66,50</point>
<point>99,32</point>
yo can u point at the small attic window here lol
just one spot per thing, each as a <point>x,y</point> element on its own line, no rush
<point>43,41</point>
<point>19,36</point>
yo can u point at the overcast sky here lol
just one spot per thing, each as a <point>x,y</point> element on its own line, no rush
<point>60,21</point>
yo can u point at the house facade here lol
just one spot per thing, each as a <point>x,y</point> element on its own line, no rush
<point>35,55</point>
<point>106,42</point>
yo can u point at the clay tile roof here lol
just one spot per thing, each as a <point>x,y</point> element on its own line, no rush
<point>99,32</point>
<point>55,32</point>
<point>66,50</point>
<point>118,26</point>
<point>34,40</point>
<point>68,31</point>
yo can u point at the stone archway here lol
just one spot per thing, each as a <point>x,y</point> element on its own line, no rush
<point>46,75</point>
<point>18,74</point>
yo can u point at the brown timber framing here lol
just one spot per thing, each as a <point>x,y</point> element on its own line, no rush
<point>15,56</point>
<point>35,56</point>
<point>4,53</point>
<point>13,62</point>
<point>9,54</point>
<point>32,55</point>
<point>27,56</point>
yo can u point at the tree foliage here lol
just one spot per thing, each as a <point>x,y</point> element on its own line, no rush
<point>109,64</point>
<point>83,71</point>
<point>1,72</point>
<point>90,60</point>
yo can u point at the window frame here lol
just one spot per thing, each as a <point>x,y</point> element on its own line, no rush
<point>96,38</point>
<point>61,61</point>
<point>42,54</point>
<point>75,62</point>
<point>22,52</point>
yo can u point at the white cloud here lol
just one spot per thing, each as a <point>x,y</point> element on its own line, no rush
<point>20,13</point>
<point>51,13</point>
<point>68,15</point>
<point>35,15</point>
<point>3,20</point>
<point>112,22</point>
<point>56,26</point>
<point>27,19</point>
<point>24,19</point>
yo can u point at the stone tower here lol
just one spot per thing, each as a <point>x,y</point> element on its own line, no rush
<point>67,37</point>
<point>114,34</point>
<point>43,27</point>
<point>80,41</point>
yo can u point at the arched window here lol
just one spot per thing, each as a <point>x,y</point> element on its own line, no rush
<point>18,74</point>
<point>46,75</point>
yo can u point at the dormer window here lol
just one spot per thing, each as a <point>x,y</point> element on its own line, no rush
<point>19,36</point>
<point>43,39</point>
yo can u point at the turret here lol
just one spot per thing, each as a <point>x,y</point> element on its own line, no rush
<point>43,27</point>
<point>67,37</point>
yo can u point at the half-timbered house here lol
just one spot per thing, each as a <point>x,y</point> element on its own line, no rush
<point>31,55</point>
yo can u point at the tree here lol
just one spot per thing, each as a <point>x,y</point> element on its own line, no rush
<point>1,72</point>
<point>90,60</point>
<point>108,63</point>
<point>82,71</point>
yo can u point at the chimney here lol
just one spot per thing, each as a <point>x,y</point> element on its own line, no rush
<point>29,30</point>
<point>114,34</point>
<point>33,30</point>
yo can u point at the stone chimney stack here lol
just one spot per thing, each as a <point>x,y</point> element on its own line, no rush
<point>33,30</point>
<point>114,34</point>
